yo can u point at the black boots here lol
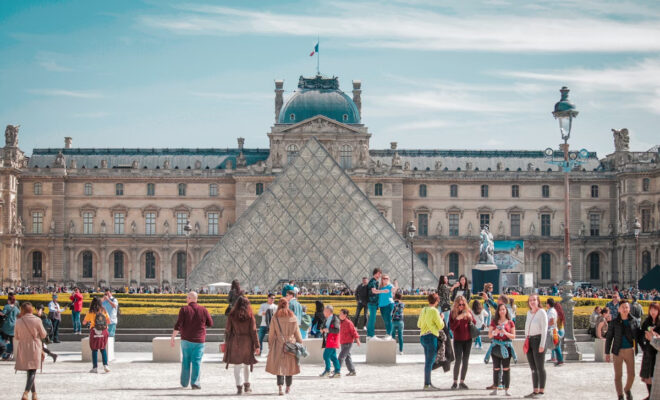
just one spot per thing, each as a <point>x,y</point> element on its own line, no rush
<point>239,389</point>
<point>246,388</point>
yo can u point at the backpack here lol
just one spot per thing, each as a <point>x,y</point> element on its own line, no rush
<point>305,322</point>
<point>100,322</point>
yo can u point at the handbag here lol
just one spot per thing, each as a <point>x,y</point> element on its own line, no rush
<point>295,349</point>
<point>474,331</point>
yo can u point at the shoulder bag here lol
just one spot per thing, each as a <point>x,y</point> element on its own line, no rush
<point>295,349</point>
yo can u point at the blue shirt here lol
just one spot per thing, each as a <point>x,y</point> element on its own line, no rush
<point>297,309</point>
<point>112,311</point>
<point>385,299</point>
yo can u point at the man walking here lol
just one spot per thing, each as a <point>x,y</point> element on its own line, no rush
<point>77,302</point>
<point>362,298</point>
<point>297,309</point>
<point>111,305</point>
<point>372,303</point>
<point>266,311</point>
<point>192,323</point>
<point>55,317</point>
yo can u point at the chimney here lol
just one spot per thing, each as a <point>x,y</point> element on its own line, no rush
<point>279,90</point>
<point>357,95</point>
<point>67,142</point>
<point>241,142</point>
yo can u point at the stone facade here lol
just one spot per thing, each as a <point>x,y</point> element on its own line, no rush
<point>109,216</point>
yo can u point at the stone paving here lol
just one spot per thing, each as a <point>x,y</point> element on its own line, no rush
<point>135,376</point>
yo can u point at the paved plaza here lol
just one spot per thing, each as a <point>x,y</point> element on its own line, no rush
<point>135,376</point>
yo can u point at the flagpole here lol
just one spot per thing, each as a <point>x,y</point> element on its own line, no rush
<point>318,56</point>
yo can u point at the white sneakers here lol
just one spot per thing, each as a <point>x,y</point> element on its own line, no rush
<point>96,371</point>
<point>106,369</point>
<point>387,337</point>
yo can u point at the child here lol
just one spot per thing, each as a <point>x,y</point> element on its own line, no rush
<point>330,332</point>
<point>347,335</point>
<point>397,320</point>
<point>481,316</point>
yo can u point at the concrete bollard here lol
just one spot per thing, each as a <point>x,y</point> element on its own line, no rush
<point>518,345</point>
<point>162,351</point>
<point>86,352</point>
<point>380,351</point>
<point>599,350</point>
<point>315,351</point>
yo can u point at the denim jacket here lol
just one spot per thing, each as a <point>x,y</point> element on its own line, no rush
<point>506,346</point>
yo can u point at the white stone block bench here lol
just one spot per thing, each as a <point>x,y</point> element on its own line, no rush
<point>518,345</point>
<point>381,351</point>
<point>314,349</point>
<point>599,350</point>
<point>87,352</point>
<point>162,350</point>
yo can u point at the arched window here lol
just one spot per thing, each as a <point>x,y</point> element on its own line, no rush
<point>346,157</point>
<point>646,262</point>
<point>37,264</point>
<point>87,264</point>
<point>259,189</point>
<point>291,153</point>
<point>378,189</point>
<point>424,256</point>
<point>181,269</point>
<point>149,265</point>
<point>453,263</point>
<point>422,190</point>
<point>118,261</point>
<point>594,266</point>
<point>546,266</point>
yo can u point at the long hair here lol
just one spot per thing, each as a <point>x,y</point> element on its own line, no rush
<point>235,286</point>
<point>283,309</point>
<point>467,284</point>
<point>538,300</point>
<point>11,299</point>
<point>454,308</point>
<point>496,317</point>
<point>477,307</point>
<point>95,305</point>
<point>654,305</point>
<point>442,279</point>
<point>26,308</point>
<point>241,310</point>
<point>561,318</point>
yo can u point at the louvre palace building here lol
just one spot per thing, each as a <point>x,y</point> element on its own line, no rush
<point>117,216</point>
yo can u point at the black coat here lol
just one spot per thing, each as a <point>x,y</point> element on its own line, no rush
<point>466,293</point>
<point>617,330</point>
<point>648,360</point>
<point>362,294</point>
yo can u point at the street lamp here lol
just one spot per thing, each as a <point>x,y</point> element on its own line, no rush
<point>187,229</point>
<point>410,231</point>
<point>637,228</point>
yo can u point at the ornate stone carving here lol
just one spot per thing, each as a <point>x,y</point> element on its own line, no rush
<point>499,166</point>
<point>469,229</point>
<point>532,229</point>
<point>438,165</point>
<point>73,164</point>
<point>59,161</point>
<point>486,247</point>
<point>133,227</point>
<point>621,139</point>
<point>11,135</point>
<point>104,164</point>
<point>72,227</point>
<point>364,154</point>
<point>438,228</point>
<point>406,165</point>
<point>103,227</point>
<point>166,164</point>
<point>500,229</point>
<point>468,166</point>
<point>166,228</point>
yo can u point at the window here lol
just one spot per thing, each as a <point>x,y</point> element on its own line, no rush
<point>594,224</point>
<point>181,221</point>
<point>87,190</point>
<point>149,265</point>
<point>484,190</point>
<point>545,224</point>
<point>594,266</point>
<point>88,223</point>
<point>182,189</point>
<point>515,224</point>
<point>484,219</point>
<point>213,190</point>
<point>151,189</point>
<point>346,156</point>
<point>37,222</point>
<point>546,266</point>
<point>37,258</point>
<point>515,191</point>
<point>646,184</point>
<point>150,223</point>
<point>119,223</point>
<point>181,265</point>
<point>424,256</point>
<point>646,220</point>
<point>292,117</point>
<point>378,189</point>
<point>88,264</point>
<point>453,191</point>
<point>422,190</point>
<point>37,188</point>
<point>423,224</point>
<point>545,191</point>
<point>291,153</point>
<point>259,188</point>
<point>213,218</point>
<point>646,262</point>
<point>453,224</point>
<point>118,264</point>
<point>594,191</point>
<point>119,189</point>
<point>453,263</point>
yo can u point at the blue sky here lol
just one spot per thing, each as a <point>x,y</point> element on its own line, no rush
<point>474,75</point>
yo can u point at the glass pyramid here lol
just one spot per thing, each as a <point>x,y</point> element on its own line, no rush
<point>312,224</point>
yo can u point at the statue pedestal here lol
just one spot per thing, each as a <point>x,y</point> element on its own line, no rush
<point>485,267</point>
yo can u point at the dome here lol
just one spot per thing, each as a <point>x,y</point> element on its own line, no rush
<point>319,96</point>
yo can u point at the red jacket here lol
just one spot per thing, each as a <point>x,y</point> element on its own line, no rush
<point>77,300</point>
<point>331,338</point>
<point>460,328</point>
<point>347,332</point>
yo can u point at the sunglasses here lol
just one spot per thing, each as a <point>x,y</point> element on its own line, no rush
<point>461,305</point>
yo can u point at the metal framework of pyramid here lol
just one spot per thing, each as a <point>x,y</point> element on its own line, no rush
<point>311,224</point>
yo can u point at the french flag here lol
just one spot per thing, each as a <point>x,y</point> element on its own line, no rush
<point>316,49</point>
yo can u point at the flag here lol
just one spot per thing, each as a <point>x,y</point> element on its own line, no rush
<point>316,49</point>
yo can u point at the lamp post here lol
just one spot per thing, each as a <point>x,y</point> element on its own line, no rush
<point>410,231</point>
<point>637,228</point>
<point>187,229</point>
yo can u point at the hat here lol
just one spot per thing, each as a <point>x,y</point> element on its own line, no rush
<point>54,295</point>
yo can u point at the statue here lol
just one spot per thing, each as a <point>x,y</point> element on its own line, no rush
<point>487,247</point>
<point>406,166</point>
<point>499,166</point>
<point>621,139</point>
<point>59,161</point>
<point>610,229</point>
<point>468,166</point>
<point>103,227</point>
<point>582,230</point>
<point>72,227</point>
<point>133,227</point>
<point>469,229</point>
<point>166,164</point>
<point>166,225</point>
<point>73,164</point>
<point>438,228</point>
<point>438,165</point>
<point>19,226</point>
<point>532,229</point>
<point>11,136</point>
<point>14,219</point>
<point>197,228</point>
<point>134,164</point>
<point>396,159</point>
<point>364,154</point>
<point>500,229</point>
<point>104,164</point>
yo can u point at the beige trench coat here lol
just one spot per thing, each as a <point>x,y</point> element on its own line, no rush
<point>27,342</point>
<point>279,362</point>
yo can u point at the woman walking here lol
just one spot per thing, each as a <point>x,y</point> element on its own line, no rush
<point>556,321</point>
<point>29,333</point>
<point>234,293</point>
<point>650,329</point>
<point>480,315</point>
<point>241,343</point>
<point>459,323</point>
<point>621,340</point>
<point>502,330</point>
<point>10,313</point>
<point>430,324</point>
<point>283,329</point>
<point>98,320</point>
<point>536,332</point>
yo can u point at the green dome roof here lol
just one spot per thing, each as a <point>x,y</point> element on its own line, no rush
<point>319,96</point>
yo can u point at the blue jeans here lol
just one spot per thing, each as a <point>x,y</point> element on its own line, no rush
<point>556,353</point>
<point>386,313</point>
<point>263,330</point>
<point>430,344</point>
<point>75,318</point>
<point>303,333</point>
<point>371,321</point>
<point>191,354</point>
<point>330,355</point>
<point>95,357</point>
<point>477,341</point>
<point>397,329</point>
<point>112,328</point>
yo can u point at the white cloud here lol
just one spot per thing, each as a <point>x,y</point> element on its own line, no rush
<point>234,96</point>
<point>66,93</point>
<point>47,61</point>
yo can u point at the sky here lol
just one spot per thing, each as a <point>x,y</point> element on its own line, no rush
<point>435,74</point>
